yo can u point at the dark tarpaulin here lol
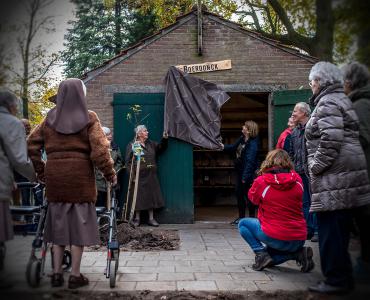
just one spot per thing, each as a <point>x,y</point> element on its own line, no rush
<point>192,109</point>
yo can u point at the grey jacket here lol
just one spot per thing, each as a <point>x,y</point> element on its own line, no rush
<point>336,161</point>
<point>361,103</point>
<point>13,153</point>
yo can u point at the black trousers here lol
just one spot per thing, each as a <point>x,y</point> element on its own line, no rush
<point>334,234</point>
<point>362,219</point>
<point>101,199</point>
<point>242,198</point>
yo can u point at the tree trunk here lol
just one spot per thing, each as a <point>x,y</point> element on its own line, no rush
<point>117,20</point>
<point>323,43</point>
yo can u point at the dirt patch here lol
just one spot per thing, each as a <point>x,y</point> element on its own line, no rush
<point>141,239</point>
<point>171,295</point>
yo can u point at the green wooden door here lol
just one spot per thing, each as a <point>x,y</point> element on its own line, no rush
<point>284,102</point>
<point>175,165</point>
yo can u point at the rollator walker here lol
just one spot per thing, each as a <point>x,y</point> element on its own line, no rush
<point>113,244</point>
<point>36,263</point>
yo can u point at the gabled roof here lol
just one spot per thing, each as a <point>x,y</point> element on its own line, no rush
<point>181,20</point>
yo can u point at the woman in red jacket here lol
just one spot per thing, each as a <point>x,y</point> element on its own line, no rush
<point>279,232</point>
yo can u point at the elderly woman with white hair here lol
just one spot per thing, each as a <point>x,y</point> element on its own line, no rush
<point>149,196</point>
<point>338,174</point>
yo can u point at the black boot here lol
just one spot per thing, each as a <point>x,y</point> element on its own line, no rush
<point>304,259</point>
<point>262,260</point>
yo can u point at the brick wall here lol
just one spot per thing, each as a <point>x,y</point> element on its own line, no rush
<point>254,63</point>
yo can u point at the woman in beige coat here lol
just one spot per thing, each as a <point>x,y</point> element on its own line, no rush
<point>74,142</point>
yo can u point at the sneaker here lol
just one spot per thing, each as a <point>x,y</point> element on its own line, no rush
<point>57,280</point>
<point>153,223</point>
<point>304,259</point>
<point>136,223</point>
<point>75,282</point>
<point>262,260</point>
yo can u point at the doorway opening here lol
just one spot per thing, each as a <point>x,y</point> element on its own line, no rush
<point>214,174</point>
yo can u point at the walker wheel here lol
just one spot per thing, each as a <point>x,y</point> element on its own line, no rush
<point>33,272</point>
<point>113,266</point>
<point>67,260</point>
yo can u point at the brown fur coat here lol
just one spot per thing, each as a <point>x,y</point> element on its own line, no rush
<point>69,172</point>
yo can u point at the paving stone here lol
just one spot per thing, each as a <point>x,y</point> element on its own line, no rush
<point>276,285</point>
<point>211,257</point>
<point>137,277</point>
<point>238,262</point>
<point>183,263</point>
<point>232,285</point>
<point>192,269</point>
<point>142,263</point>
<point>250,276</point>
<point>161,269</point>
<point>207,263</point>
<point>212,276</point>
<point>156,286</point>
<point>205,285</point>
<point>120,286</point>
<point>190,257</point>
<point>129,269</point>
<point>175,276</point>
<point>225,269</point>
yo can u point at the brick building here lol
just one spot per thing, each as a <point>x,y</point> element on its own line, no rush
<point>265,80</point>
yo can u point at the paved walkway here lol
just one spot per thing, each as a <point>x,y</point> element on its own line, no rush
<point>212,257</point>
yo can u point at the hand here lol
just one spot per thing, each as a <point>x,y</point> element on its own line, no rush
<point>114,180</point>
<point>222,146</point>
<point>165,135</point>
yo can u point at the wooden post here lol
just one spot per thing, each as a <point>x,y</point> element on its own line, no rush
<point>200,28</point>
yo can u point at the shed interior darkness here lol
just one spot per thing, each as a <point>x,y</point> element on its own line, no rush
<point>214,174</point>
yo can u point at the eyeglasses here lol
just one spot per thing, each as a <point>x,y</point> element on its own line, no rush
<point>310,83</point>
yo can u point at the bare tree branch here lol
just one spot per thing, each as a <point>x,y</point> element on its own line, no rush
<point>269,18</point>
<point>281,12</point>
<point>47,68</point>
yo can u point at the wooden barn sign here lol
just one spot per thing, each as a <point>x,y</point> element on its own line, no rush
<point>206,67</point>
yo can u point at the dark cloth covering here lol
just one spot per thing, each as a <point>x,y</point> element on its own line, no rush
<point>71,114</point>
<point>149,194</point>
<point>192,109</point>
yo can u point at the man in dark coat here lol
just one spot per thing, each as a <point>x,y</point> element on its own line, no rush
<point>298,154</point>
<point>149,196</point>
<point>357,87</point>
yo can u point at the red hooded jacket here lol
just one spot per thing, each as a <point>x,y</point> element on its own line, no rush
<point>279,195</point>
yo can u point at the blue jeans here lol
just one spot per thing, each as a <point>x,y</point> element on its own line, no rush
<point>280,251</point>
<point>309,217</point>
